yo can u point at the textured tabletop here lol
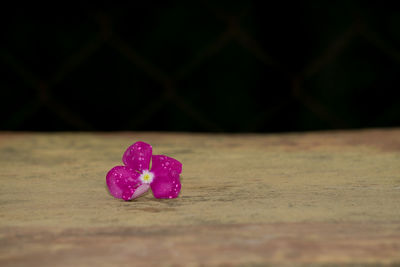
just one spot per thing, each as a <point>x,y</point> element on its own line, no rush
<point>328,198</point>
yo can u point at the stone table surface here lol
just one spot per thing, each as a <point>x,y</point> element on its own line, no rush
<point>298,199</point>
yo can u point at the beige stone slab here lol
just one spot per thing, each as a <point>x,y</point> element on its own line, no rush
<point>55,183</point>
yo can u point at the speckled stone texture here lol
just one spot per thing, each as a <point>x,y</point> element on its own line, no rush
<point>306,199</point>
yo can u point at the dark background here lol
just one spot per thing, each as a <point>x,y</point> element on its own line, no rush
<point>232,66</point>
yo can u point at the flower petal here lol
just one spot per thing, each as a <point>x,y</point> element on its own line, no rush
<point>138,156</point>
<point>164,164</point>
<point>166,187</point>
<point>123,182</point>
<point>143,188</point>
<point>166,183</point>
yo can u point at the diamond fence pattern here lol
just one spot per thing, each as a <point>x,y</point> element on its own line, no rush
<point>162,89</point>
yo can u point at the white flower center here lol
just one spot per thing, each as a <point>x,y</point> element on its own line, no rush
<point>146,177</point>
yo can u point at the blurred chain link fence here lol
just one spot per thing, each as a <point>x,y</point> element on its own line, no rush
<point>201,67</point>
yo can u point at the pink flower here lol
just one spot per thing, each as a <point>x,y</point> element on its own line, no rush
<point>135,178</point>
